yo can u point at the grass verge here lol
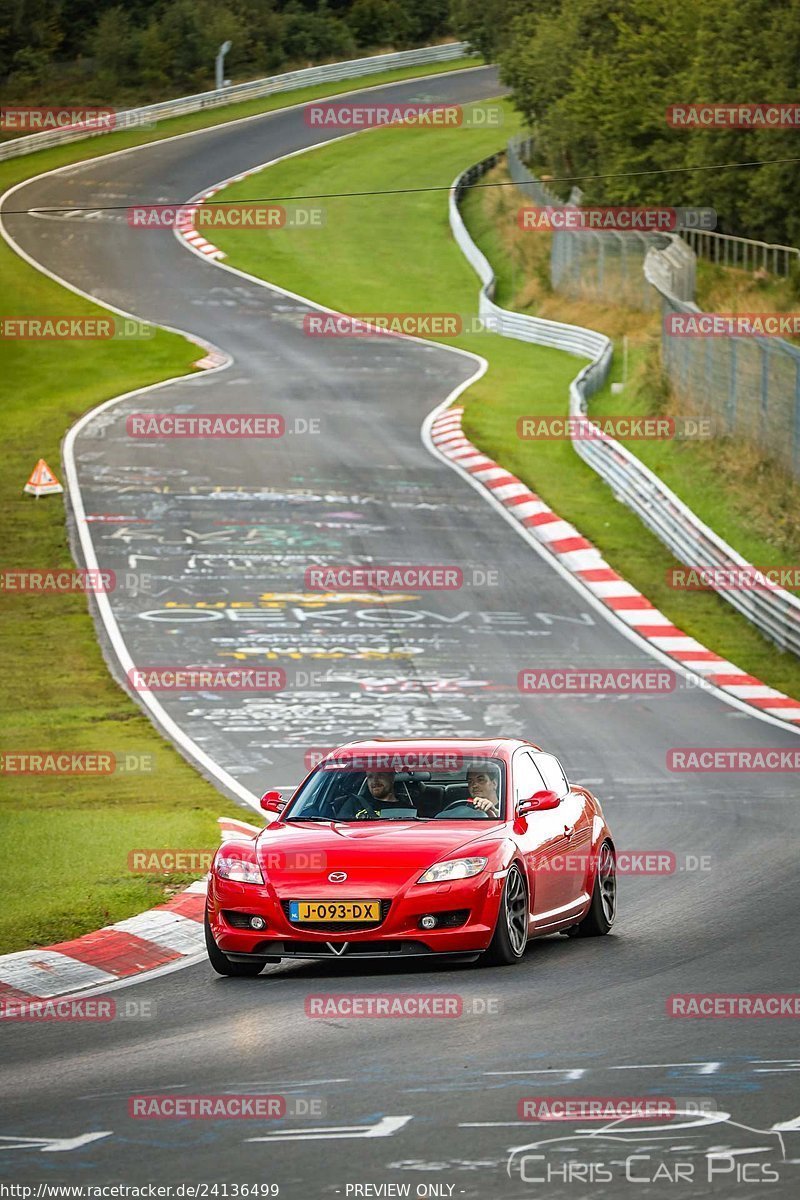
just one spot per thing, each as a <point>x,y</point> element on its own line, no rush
<point>67,839</point>
<point>395,253</point>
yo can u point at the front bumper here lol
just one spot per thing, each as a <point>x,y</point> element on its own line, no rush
<point>397,935</point>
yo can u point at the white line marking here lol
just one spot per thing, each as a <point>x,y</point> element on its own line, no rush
<point>384,1128</point>
<point>781,1126</point>
<point>53,1145</point>
<point>571,1073</point>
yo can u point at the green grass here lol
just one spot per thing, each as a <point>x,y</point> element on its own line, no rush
<point>45,160</point>
<point>395,253</point>
<point>66,840</point>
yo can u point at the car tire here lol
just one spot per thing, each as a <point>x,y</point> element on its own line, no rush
<point>511,931</point>
<point>224,965</point>
<point>603,908</point>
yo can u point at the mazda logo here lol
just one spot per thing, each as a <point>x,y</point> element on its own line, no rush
<point>337,876</point>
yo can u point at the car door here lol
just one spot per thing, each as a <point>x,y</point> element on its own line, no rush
<point>541,839</point>
<point>575,825</point>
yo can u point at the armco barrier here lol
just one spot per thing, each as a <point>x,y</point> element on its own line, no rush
<point>134,118</point>
<point>775,613</point>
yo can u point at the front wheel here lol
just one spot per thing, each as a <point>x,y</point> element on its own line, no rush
<point>222,964</point>
<point>603,908</point>
<point>511,932</point>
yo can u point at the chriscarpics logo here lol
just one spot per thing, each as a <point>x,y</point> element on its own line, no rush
<point>691,1144</point>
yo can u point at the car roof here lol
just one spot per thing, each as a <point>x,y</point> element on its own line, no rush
<point>479,747</point>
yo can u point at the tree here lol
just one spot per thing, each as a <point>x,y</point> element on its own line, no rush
<point>485,24</point>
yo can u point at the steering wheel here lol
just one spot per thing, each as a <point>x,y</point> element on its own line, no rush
<point>363,803</point>
<point>465,804</point>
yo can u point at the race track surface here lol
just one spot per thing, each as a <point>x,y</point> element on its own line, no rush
<point>227,530</point>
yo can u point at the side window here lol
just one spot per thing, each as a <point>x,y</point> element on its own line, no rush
<point>554,778</point>
<point>527,780</point>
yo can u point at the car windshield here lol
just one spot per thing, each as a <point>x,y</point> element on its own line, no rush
<point>384,789</point>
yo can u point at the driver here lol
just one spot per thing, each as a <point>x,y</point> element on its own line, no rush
<point>482,784</point>
<point>382,800</point>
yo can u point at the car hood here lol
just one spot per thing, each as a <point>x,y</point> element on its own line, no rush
<point>380,855</point>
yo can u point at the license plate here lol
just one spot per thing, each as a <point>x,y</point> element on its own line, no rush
<point>334,910</point>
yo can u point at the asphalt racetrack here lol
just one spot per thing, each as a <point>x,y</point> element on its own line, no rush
<point>227,530</point>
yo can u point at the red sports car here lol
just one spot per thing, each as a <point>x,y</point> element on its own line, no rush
<point>460,847</point>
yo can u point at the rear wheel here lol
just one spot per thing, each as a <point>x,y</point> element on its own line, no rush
<point>222,964</point>
<point>511,932</point>
<point>603,908</point>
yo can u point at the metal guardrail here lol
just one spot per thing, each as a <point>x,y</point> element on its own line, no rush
<point>150,114</point>
<point>775,613</point>
<point>749,386</point>
<point>747,254</point>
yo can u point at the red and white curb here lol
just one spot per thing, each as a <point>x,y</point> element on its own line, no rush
<point>586,564</point>
<point>214,358</point>
<point>184,227</point>
<point>136,946</point>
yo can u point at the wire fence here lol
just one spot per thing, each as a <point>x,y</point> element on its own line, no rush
<point>776,613</point>
<point>588,264</point>
<point>747,386</point>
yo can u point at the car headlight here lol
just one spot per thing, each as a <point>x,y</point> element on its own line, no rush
<point>454,868</point>
<point>237,869</point>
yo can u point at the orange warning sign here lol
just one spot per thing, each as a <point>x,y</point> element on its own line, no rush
<point>42,481</point>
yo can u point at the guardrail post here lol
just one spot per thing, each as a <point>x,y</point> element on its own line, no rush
<point>764,396</point>
<point>730,407</point>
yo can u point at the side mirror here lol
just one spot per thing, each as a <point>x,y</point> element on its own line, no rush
<point>272,802</point>
<point>538,802</point>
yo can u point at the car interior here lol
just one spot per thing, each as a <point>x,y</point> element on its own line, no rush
<point>425,795</point>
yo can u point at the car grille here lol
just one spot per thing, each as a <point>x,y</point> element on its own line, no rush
<point>384,948</point>
<point>337,926</point>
